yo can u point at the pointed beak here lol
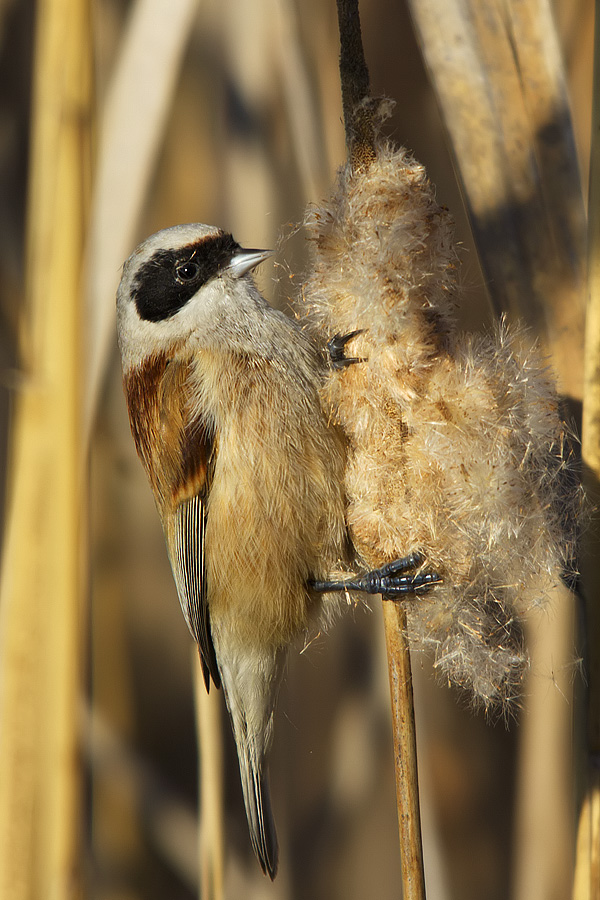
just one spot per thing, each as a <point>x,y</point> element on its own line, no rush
<point>246,260</point>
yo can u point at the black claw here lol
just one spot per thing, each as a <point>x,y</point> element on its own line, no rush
<point>392,580</point>
<point>335,349</point>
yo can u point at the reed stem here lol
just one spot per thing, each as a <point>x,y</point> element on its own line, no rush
<point>587,868</point>
<point>405,750</point>
<point>212,804</point>
<point>360,144</point>
<point>40,615</point>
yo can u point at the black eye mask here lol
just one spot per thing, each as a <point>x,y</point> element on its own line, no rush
<point>170,278</point>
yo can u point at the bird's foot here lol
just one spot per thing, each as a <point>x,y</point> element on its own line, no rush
<point>335,350</point>
<point>393,581</point>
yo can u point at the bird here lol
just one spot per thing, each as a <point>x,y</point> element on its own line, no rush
<point>222,392</point>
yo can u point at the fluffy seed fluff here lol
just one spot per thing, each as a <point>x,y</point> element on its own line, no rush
<point>456,447</point>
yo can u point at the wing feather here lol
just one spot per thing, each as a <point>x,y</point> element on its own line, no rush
<point>178,454</point>
<point>190,578</point>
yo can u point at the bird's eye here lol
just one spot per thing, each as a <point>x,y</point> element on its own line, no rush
<point>187,271</point>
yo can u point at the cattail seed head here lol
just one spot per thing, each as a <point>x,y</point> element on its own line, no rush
<point>456,448</point>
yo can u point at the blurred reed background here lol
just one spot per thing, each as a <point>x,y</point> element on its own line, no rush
<point>228,112</point>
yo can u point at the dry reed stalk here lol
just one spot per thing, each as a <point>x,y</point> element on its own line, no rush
<point>586,883</point>
<point>41,579</point>
<point>301,108</point>
<point>499,77</point>
<point>405,750</point>
<point>360,143</point>
<point>248,174</point>
<point>210,748</point>
<point>587,869</point>
<point>591,407</point>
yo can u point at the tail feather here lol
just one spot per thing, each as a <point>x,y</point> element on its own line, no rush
<point>255,787</point>
<point>250,684</point>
